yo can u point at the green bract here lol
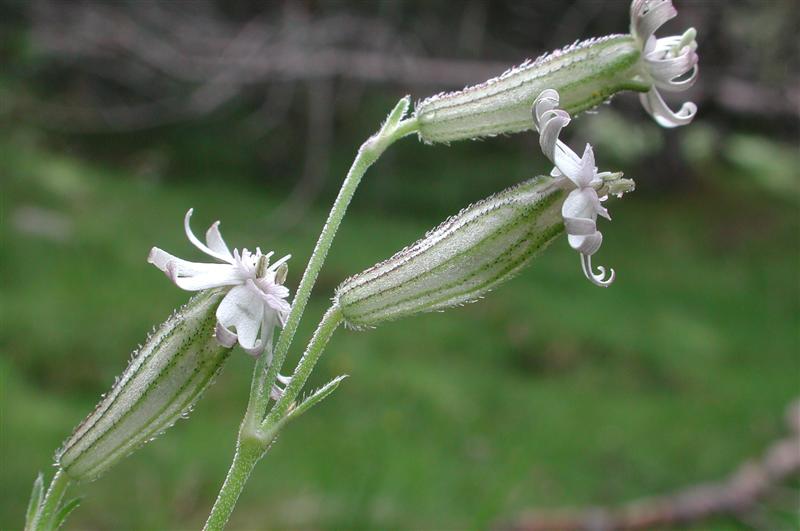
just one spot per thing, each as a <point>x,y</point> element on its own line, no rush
<point>164,379</point>
<point>584,74</point>
<point>482,246</point>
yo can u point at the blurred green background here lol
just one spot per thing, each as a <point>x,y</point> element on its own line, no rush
<point>115,118</point>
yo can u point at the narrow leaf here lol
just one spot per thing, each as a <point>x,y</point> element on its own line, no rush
<point>397,114</point>
<point>65,511</point>
<point>35,501</point>
<point>316,397</point>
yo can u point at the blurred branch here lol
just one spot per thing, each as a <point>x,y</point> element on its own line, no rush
<point>319,136</point>
<point>174,64</point>
<point>738,496</point>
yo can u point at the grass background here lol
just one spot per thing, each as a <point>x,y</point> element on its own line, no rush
<point>548,393</point>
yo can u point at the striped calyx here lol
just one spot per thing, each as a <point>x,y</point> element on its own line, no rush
<point>164,379</point>
<point>585,74</point>
<point>459,261</point>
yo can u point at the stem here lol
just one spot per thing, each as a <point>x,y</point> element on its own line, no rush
<point>369,152</point>
<point>247,455</point>
<point>259,394</point>
<point>330,322</point>
<point>254,440</point>
<point>55,493</point>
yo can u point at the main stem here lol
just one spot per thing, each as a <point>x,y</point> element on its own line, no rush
<point>369,152</point>
<point>55,493</point>
<point>255,440</point>
<point>248,453</point>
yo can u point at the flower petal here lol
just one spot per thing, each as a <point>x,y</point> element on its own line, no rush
<point>225,337</point>
<point>649,15</point>
<point>242,309</point>
<point>200,245</point>
<point>216,243</point>
<point>654,104</point>
<point>193,276</point>
<point>587,245</point>
<point>598,279</point>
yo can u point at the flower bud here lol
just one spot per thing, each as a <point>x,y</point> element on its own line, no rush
<point>164,379</point>
<point>470,253</point>
<point>585,74</point>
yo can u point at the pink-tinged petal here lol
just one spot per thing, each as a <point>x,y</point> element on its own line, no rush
<point>216,243</point>
<point>654,104</point>
<point>649,15</point>
<point>196,281</point>
<point>197,243</point>
<point>242,309</point>
<point>665,69</point>
<point>680,85</point>
<point>587,245</point>
<point>598,279</point>
<point>225,337</point>
<point>580,203</point>
<point>579,226</point>
<point>160,258</point>
<point>587,170</point>
<point>552,122</point>
<point>193,276</point>
<point>567,161</point>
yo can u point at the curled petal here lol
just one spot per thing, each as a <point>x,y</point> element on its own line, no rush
<point>224,257</point>
<point>579,226</point>
<point>276,393</point>
<point>649,15</point>
<point>242,309</point>
<point>216,243</point>
<point>598,279</point>
<point>583,203</point>
<point>654,104</point>
<point>551,124</point>
<point>665,69</point>
<point>586,245</point>
<point>681,84</point>
<point>225,337</point>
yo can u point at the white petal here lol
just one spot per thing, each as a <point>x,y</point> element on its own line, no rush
<point>159,258</point>
<point>665,69</point>
<point>579,226</point>
<point>649,15</point>
<point>224,337</point>
<point>587,245</point>
<point>243,309</point>
<point>680,85</point>
<point>216,243</point>
<point>193,276</point>
<point>654,104</point>
<point>580,203</point>
<point>598,279</point>
<point>197,243</point>
<point>552,122</point>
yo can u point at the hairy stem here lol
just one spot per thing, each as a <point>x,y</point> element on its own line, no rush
<point>55,493</point>
<point>330,322</point>
<point>369,152</point>
<point>247,455</point>
<point>254,436</point>
<point>254,440</point>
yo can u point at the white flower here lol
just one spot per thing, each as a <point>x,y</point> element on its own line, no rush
<point>667,60</point>
<point>256,302</point>
<point>583,204</point>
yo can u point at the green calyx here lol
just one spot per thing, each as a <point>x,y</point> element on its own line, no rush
<point>164,379</point>
<point>462,259</point>
<point>585,74</point>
